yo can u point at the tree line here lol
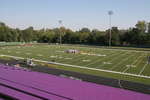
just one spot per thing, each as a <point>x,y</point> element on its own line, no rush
<point>135,36</point>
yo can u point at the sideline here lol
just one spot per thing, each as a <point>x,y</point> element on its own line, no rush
<point>82,67</point>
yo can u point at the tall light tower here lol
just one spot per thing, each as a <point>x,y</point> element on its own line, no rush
<point>110,13</point>
<point>60,23</point>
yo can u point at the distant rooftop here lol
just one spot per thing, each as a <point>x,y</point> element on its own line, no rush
<point>23,84</point>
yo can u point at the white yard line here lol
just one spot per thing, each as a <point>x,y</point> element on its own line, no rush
<point>78,58</point>
<point>126,69</point>
<point>113,54</point>
<point>82,67</point>
<point>138,58</point>
<point>120,62</point>
<point>12,56</point>
<point>118,57</point>
<point>143,69</point>
<point>74,58</point>
<point>95,58</point>
<point>133,63</point>
<point>125,50</point>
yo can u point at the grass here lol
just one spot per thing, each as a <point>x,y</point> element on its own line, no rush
<point>125,60</point>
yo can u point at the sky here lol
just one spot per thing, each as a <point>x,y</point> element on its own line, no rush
<point>75,14</point>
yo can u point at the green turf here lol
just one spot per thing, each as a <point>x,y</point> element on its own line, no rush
<point>132,61</point>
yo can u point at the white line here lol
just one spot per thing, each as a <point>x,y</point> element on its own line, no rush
<point>12,56</point>
<point>131,50</point>
<point>143,69</point>
<point>118,56</point>
<point>120,62</point>
<point>82,67</point>
<point>126,69</point>
<point>76,59</point>
<point>95,57</point>
<point>111,55</point>
<point>133,63</point>
<point>111,61</point>
<point>138,58</point>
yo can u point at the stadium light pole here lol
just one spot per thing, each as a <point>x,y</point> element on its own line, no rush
<point>110,13</point>
<point>60,23</point>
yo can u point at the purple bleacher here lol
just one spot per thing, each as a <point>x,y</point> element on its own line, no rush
<point>16,94</point>
<point>29,90</point>
<point>58,88</point>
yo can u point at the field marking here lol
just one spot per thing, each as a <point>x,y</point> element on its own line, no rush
<point>105,48</point>
<point>131,50</point>
<point>114,66</point>
<point>111,61</point>
<point>95,58</point>
<point>133,63</point>
<point>81,57</point>
<point>113,54</point>
<point>143,69</point>
<point>143,57</point>
<point>118,57</point>
<point>77,58</point>
<point>82,67</point>
<point>86,60</point>
<point>107,63</point>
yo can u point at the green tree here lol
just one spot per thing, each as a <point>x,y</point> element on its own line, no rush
<point>85,30</point>
<point>5,32</point>
<point>141,25</point>
<point>28,34</point>
<point>149,27</point>
<point>96,37</point>
<point>115,37</point>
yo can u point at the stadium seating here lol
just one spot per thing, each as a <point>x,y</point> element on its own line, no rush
<point>21,84</point>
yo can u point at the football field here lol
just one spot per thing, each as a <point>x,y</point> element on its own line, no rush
<point>120,61</point>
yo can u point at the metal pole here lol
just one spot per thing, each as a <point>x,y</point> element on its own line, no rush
<point>110,36</point>
<point>109,30</point>
<point>60,22</point>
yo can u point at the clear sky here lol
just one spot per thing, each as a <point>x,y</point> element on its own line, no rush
<point>75,14</point>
